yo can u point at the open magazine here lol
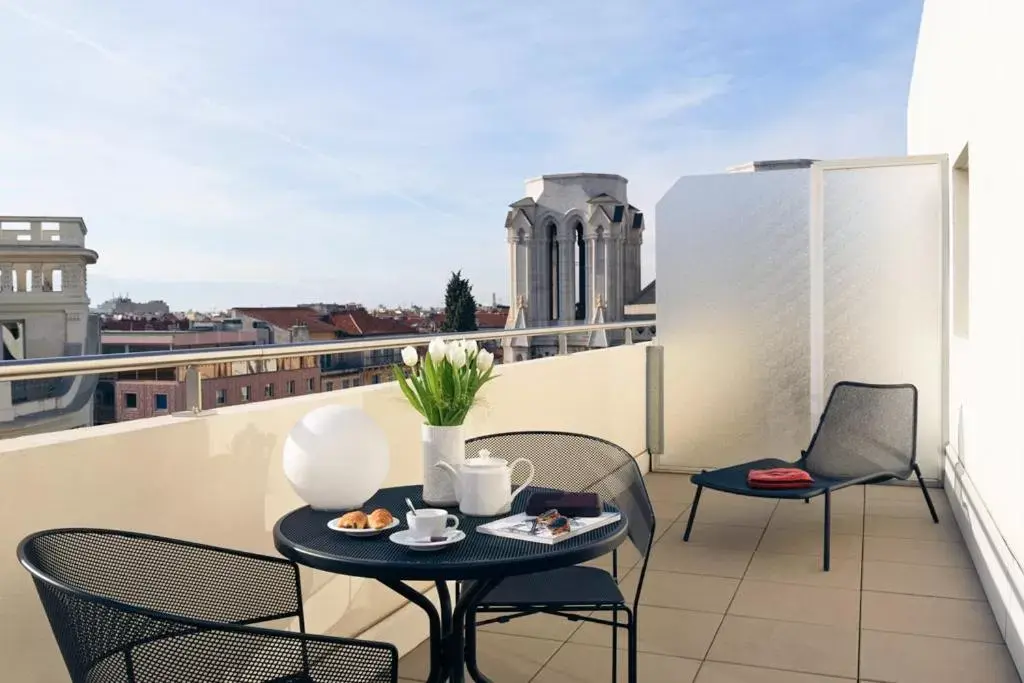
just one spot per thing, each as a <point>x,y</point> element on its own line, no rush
<point>523,527</point>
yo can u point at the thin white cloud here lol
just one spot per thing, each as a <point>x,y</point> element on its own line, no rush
<point>331,145</point>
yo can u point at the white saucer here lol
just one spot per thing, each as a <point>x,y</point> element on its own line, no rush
<point>452,536</point>
<point>333,525</point>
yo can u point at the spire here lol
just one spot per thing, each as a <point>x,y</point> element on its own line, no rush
<point>519,322</point>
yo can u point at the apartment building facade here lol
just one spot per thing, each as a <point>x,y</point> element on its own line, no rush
<point>331,323</point>
<point>148,393</point>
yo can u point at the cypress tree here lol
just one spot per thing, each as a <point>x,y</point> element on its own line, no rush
<point>459,305</point>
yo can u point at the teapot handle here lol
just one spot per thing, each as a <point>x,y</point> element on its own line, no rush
<point>529,478</point>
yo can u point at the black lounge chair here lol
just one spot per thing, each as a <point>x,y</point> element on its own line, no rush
<point>867,434</point>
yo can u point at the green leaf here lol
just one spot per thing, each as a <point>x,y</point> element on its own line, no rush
<point>430,406</point>
<point>410,395</point>
<point>430,371</point>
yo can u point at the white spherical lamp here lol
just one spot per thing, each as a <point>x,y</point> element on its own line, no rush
<point>336,458</point>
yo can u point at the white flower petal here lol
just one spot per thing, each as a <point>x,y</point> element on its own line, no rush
<point>456,355</point>
<point>437,350</point>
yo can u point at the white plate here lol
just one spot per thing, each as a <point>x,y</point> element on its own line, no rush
<point>452,536</point>
<point>333,525</point>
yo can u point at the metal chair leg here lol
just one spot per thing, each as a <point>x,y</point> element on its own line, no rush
<point>631,675</point>
<point>693,513</point>
<point>615,645</point>
<point>828,528</point>
<point>927,497</point>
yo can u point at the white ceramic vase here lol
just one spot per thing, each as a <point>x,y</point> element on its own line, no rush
<point>441,444</point>
<point>336,458</point>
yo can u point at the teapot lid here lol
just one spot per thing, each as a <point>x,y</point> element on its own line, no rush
<point>485,459</point>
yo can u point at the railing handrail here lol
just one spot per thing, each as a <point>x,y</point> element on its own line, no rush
<point>44,368</point>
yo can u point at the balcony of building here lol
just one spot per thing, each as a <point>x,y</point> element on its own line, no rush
<point>744,600</point>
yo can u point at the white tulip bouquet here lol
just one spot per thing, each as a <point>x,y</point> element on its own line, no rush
<point>443,384</point>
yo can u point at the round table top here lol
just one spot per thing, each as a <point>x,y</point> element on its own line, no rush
<point>303,537</point>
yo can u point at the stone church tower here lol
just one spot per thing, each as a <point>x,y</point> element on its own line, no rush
<point>574,257</point>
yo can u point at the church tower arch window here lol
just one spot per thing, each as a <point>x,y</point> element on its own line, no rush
<point>580,261</point>
<point>553,268</point>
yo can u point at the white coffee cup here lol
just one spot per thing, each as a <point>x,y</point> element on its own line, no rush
<point>428,522</point>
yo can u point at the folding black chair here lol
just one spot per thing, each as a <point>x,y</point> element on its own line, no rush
<point>574,462</point>
<point>867,434</point>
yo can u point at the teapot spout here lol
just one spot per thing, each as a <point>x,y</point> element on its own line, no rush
<point>454,476</point>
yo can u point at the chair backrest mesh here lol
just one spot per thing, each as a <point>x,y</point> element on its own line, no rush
<point>174,577</point>
<point>113,601</point>
<point>576,462</point>
<point>865,429</point>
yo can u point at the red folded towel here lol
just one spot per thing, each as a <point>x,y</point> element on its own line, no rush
<point>779,478</point>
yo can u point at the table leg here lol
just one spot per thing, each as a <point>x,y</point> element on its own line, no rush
<point>444,599</point>
<point>464,611</point>
<point>452,644</point>
<point>439,659</point>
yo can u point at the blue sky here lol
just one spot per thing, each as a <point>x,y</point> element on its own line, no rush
<point>237,153</point>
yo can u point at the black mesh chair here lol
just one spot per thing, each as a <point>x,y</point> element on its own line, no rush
<point>134,608</point>
<point>574,462</point>
<point>867,434</point>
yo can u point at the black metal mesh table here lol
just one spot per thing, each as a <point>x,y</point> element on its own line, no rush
<point>482,559</point>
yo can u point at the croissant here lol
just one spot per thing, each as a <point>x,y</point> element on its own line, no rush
<point>380,518</point>
<point>353,520</point>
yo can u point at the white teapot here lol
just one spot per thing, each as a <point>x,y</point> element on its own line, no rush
<point>483,484</point>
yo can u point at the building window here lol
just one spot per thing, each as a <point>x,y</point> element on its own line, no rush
<point>554,271</point>
<point>290,387</point>
<point>14,339</point>
<point>268,391</point>
<point>345,383</point>
<point>581,273</point>
<point>221,397</point>
<point>131,400</point>
<point>329,386</point>
<point>246,392</point>
<point>376,379</point>
<point>309,384</point>
<point>160,402</point>
<point>357,382</point>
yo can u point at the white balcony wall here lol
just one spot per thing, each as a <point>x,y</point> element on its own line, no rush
<point>965,102</point>
<point>217,479</point>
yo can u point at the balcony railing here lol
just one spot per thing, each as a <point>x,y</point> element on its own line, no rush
<point>64,367</point>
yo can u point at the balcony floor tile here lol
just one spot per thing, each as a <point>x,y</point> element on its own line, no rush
<point>899,657</point>
<point>663,631</point>
<point>576,663</point>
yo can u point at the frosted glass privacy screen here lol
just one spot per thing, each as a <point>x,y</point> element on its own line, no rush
<point>882,311</point>
<point>733,288</point>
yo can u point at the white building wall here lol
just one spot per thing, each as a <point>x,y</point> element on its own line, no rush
<point>965,95</point>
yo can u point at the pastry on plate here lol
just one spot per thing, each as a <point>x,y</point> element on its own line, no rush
<point>353,520</point>
<point>380,518</point>
<point>559,525</point>
<point>547,517</point>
